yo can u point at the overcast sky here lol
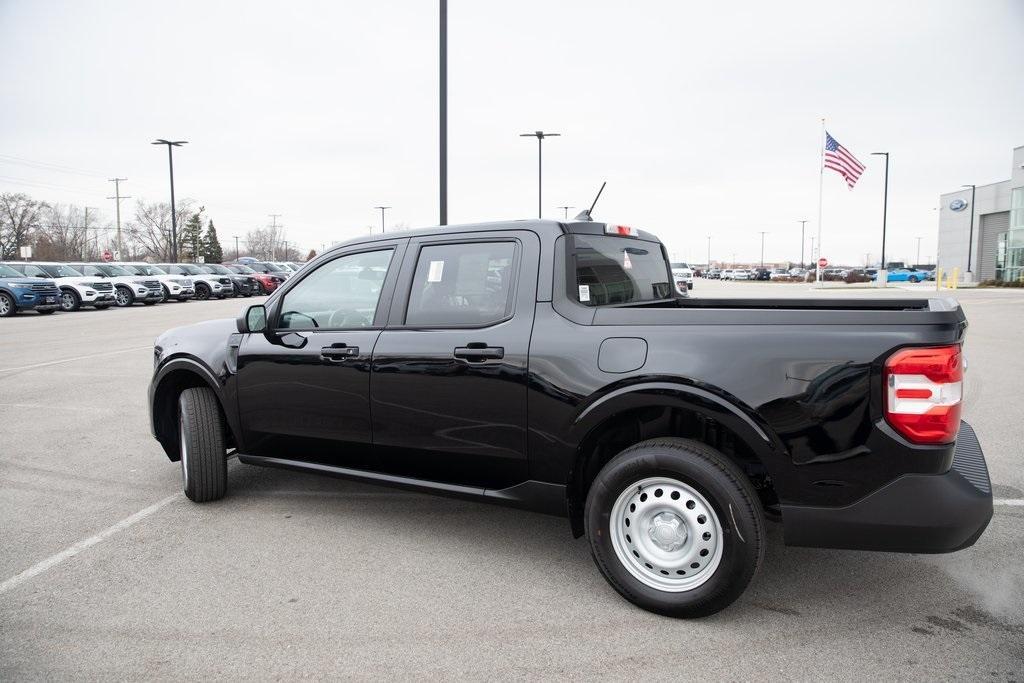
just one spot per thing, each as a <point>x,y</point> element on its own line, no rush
<point>704,118</point>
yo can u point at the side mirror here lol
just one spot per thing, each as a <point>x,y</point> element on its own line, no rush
<point>254,320</point>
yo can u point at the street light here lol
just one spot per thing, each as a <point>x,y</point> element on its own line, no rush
<point>566,209</point>
<point>382,208</point>
<point>540,135</point>
<point>174,218</point>
<point>803,224</point>
<point>763,233</point>
<point>970,235</point>
<point>885,204</point>
<point>709,252</point>
<point>918,251</point>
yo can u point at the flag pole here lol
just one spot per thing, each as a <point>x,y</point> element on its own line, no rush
<point>821,183</point>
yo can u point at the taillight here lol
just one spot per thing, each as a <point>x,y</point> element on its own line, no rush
<point>623,230</point>
<point>923,392</point>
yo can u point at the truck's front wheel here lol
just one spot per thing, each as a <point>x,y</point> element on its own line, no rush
<point>675,527</point>
<point>204,465</point>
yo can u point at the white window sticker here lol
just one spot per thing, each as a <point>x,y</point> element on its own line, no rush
<point>626,263</point>
<point>436,271</point>
<point>584,292</point>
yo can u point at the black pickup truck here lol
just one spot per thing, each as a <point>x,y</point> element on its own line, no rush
<point>556,367</point>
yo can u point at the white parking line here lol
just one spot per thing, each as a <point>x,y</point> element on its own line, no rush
<point>1014,502</point>
<point>54,560</point>
<point>69,360</point>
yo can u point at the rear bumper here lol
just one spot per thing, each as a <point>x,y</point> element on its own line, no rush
<point>916,513</point>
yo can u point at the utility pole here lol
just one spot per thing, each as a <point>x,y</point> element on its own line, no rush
<point>236,246</point>
<point>117,196</point>
<point>382,209</point>
<point>566,209</point>
<point>443,108</point>
<point>540,135</point>
<point>763,233</point>
<point>918,251</point>
<point>171,144</point>
<point>273,237</point>
<point>803,224</point>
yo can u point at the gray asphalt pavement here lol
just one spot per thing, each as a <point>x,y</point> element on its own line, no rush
<point>108,572</point>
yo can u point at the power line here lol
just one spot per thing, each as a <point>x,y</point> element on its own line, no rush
<point>8,159</point>
<point>45,186</point>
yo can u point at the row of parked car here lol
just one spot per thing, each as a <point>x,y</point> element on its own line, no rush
<point>47,287</point>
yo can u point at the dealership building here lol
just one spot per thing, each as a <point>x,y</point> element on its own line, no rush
<point>993,249</point>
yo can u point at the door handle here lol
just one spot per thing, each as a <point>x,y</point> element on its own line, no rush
<point>338,352</point>
<point>475,353</point>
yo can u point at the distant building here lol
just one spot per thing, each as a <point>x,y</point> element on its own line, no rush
<point>997,246</point>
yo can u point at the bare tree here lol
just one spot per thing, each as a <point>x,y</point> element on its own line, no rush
<point>64,236</point>
<point>262,242</point>
<point>19,218</point>
<point>150,229</point>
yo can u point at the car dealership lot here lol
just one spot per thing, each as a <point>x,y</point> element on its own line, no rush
<point>109,572</point>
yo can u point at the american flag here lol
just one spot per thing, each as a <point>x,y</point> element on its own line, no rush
<point>839,159</point>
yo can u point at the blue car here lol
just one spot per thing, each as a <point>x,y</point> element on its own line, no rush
<point>905,275</point>
<point>20,293</point>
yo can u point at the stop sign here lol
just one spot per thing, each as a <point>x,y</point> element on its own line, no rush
<point>822,262</point>
<point>107,256</point>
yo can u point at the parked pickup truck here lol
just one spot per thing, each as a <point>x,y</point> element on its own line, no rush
<point>555,367</point>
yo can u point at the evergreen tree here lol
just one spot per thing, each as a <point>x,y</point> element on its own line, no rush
<point>190,237</point>
<point>212,251</point>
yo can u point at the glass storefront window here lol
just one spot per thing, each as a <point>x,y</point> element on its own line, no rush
<point>1010,245</point>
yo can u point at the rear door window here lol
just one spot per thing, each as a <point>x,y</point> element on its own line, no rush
<point>469,283</point>
<point>618,270</point>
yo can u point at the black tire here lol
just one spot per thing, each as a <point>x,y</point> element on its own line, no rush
<point>914,279</point>
<point>724,487</point>
<point>202,292</point>
<point>124,297</point>
<point>7,307</point>
<point>201,445</point>
<point>52,310</point>
<point>69,300</point>
<point>164,294</point>
<point>149,303</point>
<point>102,307</point>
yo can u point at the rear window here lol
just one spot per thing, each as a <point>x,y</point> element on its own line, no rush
<point>618,270</point>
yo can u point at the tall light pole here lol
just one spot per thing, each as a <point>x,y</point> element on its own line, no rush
<point>566,209</point>
<point>812,247</point>
<point>709,252</point>
<point>918,251</point>
<point>171,144</point>
<point>443,109</point>
<point>763,233</point>
<point>273,235</point>
<point>970,235</point>
<point>382,208</point>
<point>885,202</point>
<point>803,224</point>
<point>236,246</point>
<point>540,135</point>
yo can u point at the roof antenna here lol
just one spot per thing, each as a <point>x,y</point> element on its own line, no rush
<point>584,215</point>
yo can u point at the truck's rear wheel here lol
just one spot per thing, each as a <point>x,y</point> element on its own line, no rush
<point>675,527</point>
<point>204,465</point>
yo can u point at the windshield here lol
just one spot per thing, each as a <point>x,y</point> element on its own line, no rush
<point>618,270</point>
<point>679,266</point>
<point>114,270</point>
<point>241,269</point>
<point>274,267</point>
<point>146,269</point>
<point>60,271</point>
<point>190,269</point>
<point>7,271</point>
<point>217,268</point>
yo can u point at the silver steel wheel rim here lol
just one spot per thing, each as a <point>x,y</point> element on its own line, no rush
<point>666,534</point>
<point>67,301</point>
<point>184,450</point>
<point>5,305</point>
<point>122,297</point>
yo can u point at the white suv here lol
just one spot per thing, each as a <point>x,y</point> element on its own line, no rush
<point>207,284</point>
<point>683,272</point>
<point>128,288</point>
<point>76,290</point>
<point>174,286</point>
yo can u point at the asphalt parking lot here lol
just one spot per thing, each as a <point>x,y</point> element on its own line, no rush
<point>109,572</point>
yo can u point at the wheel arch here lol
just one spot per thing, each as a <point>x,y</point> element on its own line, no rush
<point>173,378</point>
<point>636,413</point>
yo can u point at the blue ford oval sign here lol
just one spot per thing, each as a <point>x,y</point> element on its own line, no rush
<point>958,205</point>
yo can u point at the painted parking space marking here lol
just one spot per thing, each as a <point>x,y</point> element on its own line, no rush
<point>1013,502</point>
<point>71,360</point>
<point>84,544</point>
